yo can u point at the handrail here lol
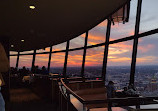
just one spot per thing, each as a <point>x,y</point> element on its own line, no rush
<point>73,93</point>
<point>108,100</point>
<point>80,98</point>
<point>62,92</point>
<point>101,101</point>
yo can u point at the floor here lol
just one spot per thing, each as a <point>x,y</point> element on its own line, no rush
<point>23,99</point>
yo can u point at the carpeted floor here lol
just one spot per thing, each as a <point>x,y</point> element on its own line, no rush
<point>23,99</point>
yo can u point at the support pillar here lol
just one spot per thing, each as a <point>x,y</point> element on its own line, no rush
<point>33,60</point>
<point>17,61</point>
<point>135,44</point>
<point>50,56</point>
<point>106,50</point>
<point>84,56</point>
<point>66,57</point>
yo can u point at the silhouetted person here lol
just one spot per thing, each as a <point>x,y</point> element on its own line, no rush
<point>33,69</point>
<point>37,70</point>
<point>24,71</point>
<point>44,70</point>
<point>124,92</point>
<point>131,91</point>
<point>110,89</point>
<point>110,93</point>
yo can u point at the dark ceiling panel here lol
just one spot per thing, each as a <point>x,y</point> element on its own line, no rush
<point>52,21</point>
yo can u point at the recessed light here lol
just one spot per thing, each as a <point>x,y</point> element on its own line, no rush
<point>22,40</point>
<point>12,45</point>
<point>32,7</point>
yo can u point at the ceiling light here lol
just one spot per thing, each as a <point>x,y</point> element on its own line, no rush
<point>32,7</point>
<point>12,45</point>
<point>22,40</point>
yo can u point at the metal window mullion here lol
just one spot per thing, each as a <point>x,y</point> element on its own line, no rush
<point>135,44</point>
<point>66,58</point>
<point>50,56</point>
<point>17,60</point>
<point>106,50</point>
<point>84,55</point>
<point>33,59</point>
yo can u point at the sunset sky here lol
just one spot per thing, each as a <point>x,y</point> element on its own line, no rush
<point>119,54</point>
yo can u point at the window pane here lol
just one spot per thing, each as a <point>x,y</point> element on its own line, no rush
<point>120,30</point>
<point>57,63</point>
<point>58,47</point>
<point>41,60</point>
<point>13,52</point>
<point>119,62</point>
<point>149,17</point>
<point>13,60</point>
<point>97,34</point>
<point>26,52</point>
<point>43,50</point>
<point>147,66</point>
<point>25,60</point>
<point>77,42</point>
<point>94,61</point>
<point>74,63</point>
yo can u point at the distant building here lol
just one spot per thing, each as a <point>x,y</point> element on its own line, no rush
<point>152,85</point>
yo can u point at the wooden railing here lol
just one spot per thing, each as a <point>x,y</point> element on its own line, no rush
<point>135,101</point>
<point>79,98</point>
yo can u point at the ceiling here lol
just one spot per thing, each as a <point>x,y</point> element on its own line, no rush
<point>52,21</point>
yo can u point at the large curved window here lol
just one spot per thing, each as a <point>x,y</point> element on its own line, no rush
<point>77,42</point>
<point>74,63</point>
<point>43,50</point>
<point>41,60</point>
<point>119,63</point>
<point>58,47</point>
<point>119,56</point>
<point>147,66</point>
<point>93,62</point>
<point>13,52</point>
<point>149,17</point>
<point>26,52</point>
<point>13,60</point>
<point>97,34</point>
<point>120,30</point>
<point>57,63</point>
<point>25,60</point>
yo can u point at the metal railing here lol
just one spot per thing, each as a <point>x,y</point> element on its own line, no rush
<point>126,101</point>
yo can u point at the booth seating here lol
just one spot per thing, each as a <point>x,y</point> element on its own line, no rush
<point>94,95</point>
<point>90,91</point>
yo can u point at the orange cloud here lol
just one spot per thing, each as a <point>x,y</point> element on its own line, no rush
<point>146,48</point>
<point>25,61</point>
<point>120,48</point>
<point>13,61</point>
<point>116,51</point>
<point>131,33</point>
<point>147,59</point>
<point>58,59</point>
<point>103,24</point>
<point>98,38</point>
<point>122,59</point>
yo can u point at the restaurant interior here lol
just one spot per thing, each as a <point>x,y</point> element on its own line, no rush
<point>46,30</point>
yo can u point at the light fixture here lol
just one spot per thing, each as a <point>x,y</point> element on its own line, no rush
<point>12,45</point>
<point>32,7</point>
<point>22,40</point>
